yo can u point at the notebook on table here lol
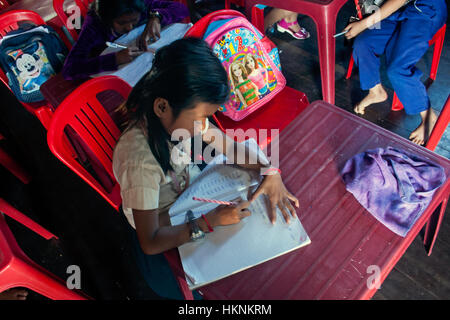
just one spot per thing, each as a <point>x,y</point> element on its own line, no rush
<point>231,249</point>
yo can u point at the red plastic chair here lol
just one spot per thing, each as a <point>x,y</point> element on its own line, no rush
<point>9,163</point>
<point>58,6</point>
<point>9,22</point>
<point>276,114</point>
<point>82,111</point>
<point>17,270</point>
<point>437,40</point>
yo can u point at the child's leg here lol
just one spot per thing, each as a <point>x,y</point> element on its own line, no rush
<point>273,16</point>
<point>367,48</point>
<point>402,53</point>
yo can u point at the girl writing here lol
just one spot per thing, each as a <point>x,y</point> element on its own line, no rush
<point>107,21</point>
<point>187,83</point>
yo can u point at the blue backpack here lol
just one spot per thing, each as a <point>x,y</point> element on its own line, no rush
<point>29,56</point>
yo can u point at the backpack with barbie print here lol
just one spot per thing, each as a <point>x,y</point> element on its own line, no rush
<point>251,61</point>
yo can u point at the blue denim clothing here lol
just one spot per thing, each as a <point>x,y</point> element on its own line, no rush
<point>403,37</point>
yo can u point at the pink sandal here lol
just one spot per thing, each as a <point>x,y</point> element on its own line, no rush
<point>283,26</point>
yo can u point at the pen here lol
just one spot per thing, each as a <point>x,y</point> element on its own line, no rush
<point>340,34</point>
<point>115,45</point>
<point>229,203</point>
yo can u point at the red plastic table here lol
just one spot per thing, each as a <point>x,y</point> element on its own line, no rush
<point>345,238</point>
<point>324,14</point>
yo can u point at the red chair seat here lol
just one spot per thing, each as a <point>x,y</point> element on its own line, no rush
<point>276,114</point>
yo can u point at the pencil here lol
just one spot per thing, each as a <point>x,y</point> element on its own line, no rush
<point>229,203</point>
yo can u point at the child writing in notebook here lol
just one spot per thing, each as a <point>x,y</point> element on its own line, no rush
<point>108,20</point>
<point>187,83</point>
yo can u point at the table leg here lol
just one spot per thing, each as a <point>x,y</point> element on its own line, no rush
<point>432,227</point>
<point>327,51</point>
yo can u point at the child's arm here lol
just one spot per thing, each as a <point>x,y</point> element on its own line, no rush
<point>388,8</point>
<point>170,11</point>
<point>156,235</point>
<point>79,64</point>
<point>272,184</point>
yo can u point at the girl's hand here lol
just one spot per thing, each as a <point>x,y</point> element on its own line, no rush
<point>274,188</point>
<point>151,32</point>
<point>355,28</point>
<point>225,215</point>
<point>127,55</point>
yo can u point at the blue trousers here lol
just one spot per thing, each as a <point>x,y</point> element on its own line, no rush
<point>157,273</point>
<point>403,37</point>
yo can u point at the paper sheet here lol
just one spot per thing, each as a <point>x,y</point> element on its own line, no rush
<point>135,70</point>
<point>234,248</point>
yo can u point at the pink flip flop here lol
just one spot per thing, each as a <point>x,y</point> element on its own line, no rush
<point>283,26</point>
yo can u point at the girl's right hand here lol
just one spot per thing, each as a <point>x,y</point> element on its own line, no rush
<point>225,215</point>
<point>127,55</point>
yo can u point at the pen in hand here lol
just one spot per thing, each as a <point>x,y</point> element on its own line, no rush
<point>340,34</point>
<point>115,45</point>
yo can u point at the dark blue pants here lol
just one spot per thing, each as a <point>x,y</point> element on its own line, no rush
<point>157,273</point>
<point>403,37</point>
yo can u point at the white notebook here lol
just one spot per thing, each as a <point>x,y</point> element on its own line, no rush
<point>135,70</point>
<point>231,249</point>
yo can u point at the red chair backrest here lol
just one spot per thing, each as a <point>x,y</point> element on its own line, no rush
<point>58,6</point>
<point>9,21</point>
<point>83,112</point>
<point>199,28</point>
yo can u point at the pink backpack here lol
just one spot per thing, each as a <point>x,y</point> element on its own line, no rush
<point>251,61</point>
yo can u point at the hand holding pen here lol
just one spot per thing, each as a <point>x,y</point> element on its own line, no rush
<point>127,54</point>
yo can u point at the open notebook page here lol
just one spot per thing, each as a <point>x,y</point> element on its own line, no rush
<point>135,70</point>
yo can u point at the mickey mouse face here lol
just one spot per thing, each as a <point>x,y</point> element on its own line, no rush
<point>28,66</point>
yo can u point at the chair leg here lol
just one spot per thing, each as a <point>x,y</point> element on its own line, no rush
<point>350,67</point>
<point>15,214</point>
<point>227,4</point>
<point>396,104</point>
<point>9,163</point>
<point>432,227</point>
<point>258,18</point>
<point>438,46</point>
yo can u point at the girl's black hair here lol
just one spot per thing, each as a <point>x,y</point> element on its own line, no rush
<point>108,10</point>
<point>185,73</point>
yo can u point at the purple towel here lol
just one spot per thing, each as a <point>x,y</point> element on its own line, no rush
<point>394,186</point>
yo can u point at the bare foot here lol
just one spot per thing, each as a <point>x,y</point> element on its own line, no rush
<point>423,131</point>
<point>14,294</point>
<point>376,94</point>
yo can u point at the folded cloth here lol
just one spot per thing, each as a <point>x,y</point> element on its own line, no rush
<point>394,186</point>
